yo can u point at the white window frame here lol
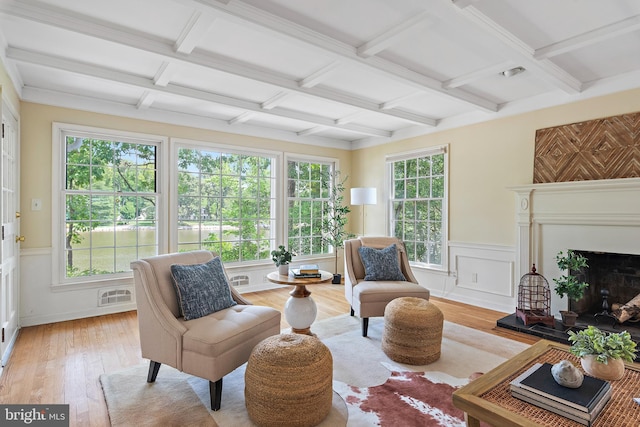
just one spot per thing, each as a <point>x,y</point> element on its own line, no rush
<point>390,159</point>
<point>285,202</point>
<point>177,143</point>
<point>58,182</point>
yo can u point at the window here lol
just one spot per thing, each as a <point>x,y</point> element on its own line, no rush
<point>418,203</point>
<point>307,195</point>
<point>226,203</point>
<point>109,199</point>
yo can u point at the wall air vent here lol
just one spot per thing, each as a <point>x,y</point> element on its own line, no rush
<point>240,280</point>
<point>114,296</point>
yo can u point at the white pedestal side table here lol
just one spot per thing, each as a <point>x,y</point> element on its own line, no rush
<point>300,309</point>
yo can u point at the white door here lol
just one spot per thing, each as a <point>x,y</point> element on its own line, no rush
<point>10,248</point>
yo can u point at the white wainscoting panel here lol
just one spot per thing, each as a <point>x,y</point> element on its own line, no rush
<point>483,275</point>
<point>41,303</point>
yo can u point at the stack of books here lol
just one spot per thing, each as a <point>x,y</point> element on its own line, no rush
<point>308,271</point>
<point>583,404</point>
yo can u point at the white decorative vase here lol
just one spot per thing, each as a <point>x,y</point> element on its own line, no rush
<point>283,269</point>
<point>611,371</point>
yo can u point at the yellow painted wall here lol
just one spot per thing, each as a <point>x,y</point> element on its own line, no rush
<point>36,149</point>
<point>7,90</point>
<point>484,160</point>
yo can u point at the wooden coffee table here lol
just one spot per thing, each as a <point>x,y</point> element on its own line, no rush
<point>488,398</point>
<point>300,310</point>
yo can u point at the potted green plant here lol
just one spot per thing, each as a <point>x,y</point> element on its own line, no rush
<point>602,354</point>
<point>568,284</point>
<point>334,218</point>
<point>282,257</point>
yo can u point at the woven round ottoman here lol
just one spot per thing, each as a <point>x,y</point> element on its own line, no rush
<point>288,381</point>
<point>412,331</point>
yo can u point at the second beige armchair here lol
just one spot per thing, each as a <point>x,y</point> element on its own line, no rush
<point>369,292</point>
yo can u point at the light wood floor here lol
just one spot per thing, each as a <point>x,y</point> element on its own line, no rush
<point>61,362</point>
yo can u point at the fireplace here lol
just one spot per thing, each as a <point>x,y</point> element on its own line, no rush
<point>600,219</point>
<point>618,274</point>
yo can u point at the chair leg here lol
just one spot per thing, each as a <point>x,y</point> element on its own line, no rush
<point>365,326</point>
<point>154,367</point>
<point>215,392</point>
<point>352,312</point>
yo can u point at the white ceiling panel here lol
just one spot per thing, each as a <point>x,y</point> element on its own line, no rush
<point>55,43</point>
<point>611,57</point>
<point>215,81</point>
<point>338,73</point>
<point>74,84</point>
<point>543,22</point>
<point>318,106</point>
<point>503,89</point>
<point>196,107</point>
<point>166,19</point>
<point>265,50</point>
<point>367,84</point>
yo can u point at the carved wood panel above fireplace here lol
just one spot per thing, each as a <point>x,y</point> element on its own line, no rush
<point>606,148</point>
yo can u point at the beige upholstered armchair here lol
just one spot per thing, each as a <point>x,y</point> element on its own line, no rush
<point>210,346</point>
<point>369,295</point>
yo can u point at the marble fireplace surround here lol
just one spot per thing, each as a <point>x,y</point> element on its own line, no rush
<point>599,216</point>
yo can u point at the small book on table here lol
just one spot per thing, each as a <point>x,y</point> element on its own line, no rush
<point>295,273</point>
<point>308,269</point>
<point>583,404</point>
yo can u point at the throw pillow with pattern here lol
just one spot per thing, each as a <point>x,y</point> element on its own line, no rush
<point>202,289</point>
<point>381,264</point>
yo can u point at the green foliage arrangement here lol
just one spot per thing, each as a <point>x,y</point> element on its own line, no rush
<point>603,345</point>
<point>281,256</point>
<point>568,284</point>
<point>335,215</point>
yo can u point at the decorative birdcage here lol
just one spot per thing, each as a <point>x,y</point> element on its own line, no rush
<point>534,299</point>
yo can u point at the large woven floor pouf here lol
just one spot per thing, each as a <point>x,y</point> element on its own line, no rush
<point>412,331</point>
<point>288,381</point>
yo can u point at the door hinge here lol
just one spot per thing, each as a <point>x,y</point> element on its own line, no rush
<point>2,334</point>
<point>3,232</point>
<point>3,130</point>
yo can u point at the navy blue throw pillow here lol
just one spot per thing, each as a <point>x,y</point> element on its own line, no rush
<point>202,289</point>
<point>381,264</point>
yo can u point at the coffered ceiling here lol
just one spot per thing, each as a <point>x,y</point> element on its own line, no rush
<point>340,73</point>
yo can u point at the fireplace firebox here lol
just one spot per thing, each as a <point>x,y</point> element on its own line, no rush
<point>619,274</point>
<point>614,275</point>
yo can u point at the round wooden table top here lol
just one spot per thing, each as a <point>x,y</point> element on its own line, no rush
<point>276,277</point>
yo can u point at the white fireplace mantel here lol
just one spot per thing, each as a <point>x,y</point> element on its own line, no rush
<point>601,216</point>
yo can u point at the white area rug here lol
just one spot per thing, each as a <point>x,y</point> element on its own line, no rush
<point>359,364</point>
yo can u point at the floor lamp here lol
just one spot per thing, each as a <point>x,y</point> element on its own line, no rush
<point>363,196</point>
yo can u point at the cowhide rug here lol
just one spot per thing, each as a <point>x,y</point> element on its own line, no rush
<point>372,389</point>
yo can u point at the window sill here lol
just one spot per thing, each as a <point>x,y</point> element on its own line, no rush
<point>93,284</point>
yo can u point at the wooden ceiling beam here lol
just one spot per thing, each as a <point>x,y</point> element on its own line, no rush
<point>146,84</point>
<point>394,35</point>
<point>598,35</point>
<point>62,18</point>
<point>246,14</point>
<point>522,52</point>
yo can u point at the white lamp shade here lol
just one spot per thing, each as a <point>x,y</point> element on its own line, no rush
<point>363,196</point>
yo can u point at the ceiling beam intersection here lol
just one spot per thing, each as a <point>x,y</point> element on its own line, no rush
<point>193,33</point>
<point>479,74</point>
<point>245,14</point>
<point>144,83</point>
<point>393,35</point>
<point>606,32</point>
<point>320,75</point>
<point>61,18</point>
<point>543,68</point>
